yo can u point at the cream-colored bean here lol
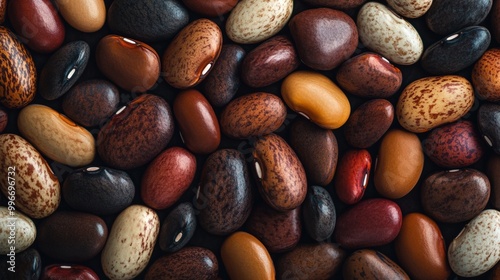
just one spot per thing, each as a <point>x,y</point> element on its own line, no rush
<point>410,8</point>
<point>24,231</point>
<point>56,136</point>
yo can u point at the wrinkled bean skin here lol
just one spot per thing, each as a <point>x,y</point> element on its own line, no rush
<point>222,83</point>
<point>148,21</point>
<point>177,228</point>
<point>253,21</point>
<point>452,54</point>
<point>305,138</point>
<point>132,65</point>
<point>420,248</point>
<point>98,190</point>
<point>319,261</point>
<point>4,119</point>
<point>317,98</point>
<point>336,4</point>
<point>313,31</point>
<point>353,172</point>
<point>476,248</point>
<point>369,75</point>
<point>225,191</point>
<point>269,62</point>
<point>486,77</point>
<point>124,150</point>
<point>167,177</point>
<point>63,69</point>
<point>282,178</point>
<point>488,119</point>
<point>40,15</point>
<point>319,213</point>
<point>253,115</point>
<point>32,172</point>
<point>385,32</point>
<point>368,123</point>
<point>19,71</point>
<point>493,172</point>
<point>371,222</point>
<point>372,265</point>
<point>197,121</point>
<point>246,258</point>
<point>192,53</point>
<point>432,101</point>
<point>188,263</point>
<point>454,145</point>
<point>278,231</point>
<point>91,102</point>
<point>455,196</point>
<point>399,164</point>
<point>63,272</point>
<point>56,136</point>
<point>447,16</point>
<point>72,236</point>
<point>210,8</point>
<point>28,266</point>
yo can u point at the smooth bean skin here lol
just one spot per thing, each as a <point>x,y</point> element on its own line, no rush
<point>167,177</point>
<point>269,62</point>
<point>28,266</point>
<point>318,261</point>
<point>253,115</point>
<point>319,213</point>
<point>197,121</point>
<point>420,248</point>
<point>84,15</point>
<point>222,83</point>
<point>56,136</point>
<point>225,191</point>
<point>281,175</point>
<point>457,51</point>
<point>488,120</point>
<point>62,272</point>
<point>246,258</point>
<point>210,8</point>
<point>340,4</point>
<point>38,24</point>
<point>192,53</point>
<point>305,138</point>
<point>98,190</point>
<point>278,231</point>
<point>456,195</point>
<point>19,70</point>
<point>131,64</point>
<point>314,32</point>
<point>495,21</point>
<point>92,102</point>
<point>316,97</point>
<point>370,264</point>
<point>447,16</point>
<point>177,228</point>
<point>120,148</point>
<point>399,163</point>
<point>369,75</point>
<point>485,76</point>
<point>148,21</point>
<point>35,201</point>
<point>368,123</point>
<point>352,176</point>
<point>493,172</point>
<point>188,263</point>
<point>63,69</point>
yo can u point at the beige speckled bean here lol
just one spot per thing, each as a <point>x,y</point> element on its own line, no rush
<point>192,53</point>
<point>386,33</point>
<point>410,8</point>
<point>56,136</point>
<point>253,21</point>
<point>432,101</point>
<point>476,249</point>
<point>38,191</point>
<point>130,242</point>
<point>25,231</point>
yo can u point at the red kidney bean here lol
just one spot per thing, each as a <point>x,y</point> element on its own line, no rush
<point>352,176</point>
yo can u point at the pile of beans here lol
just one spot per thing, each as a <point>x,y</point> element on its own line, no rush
<point>251,139</point>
